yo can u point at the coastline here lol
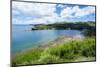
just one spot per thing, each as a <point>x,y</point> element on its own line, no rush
<point>60,40</point>
<point>56,42</point>
<point>59,51</point>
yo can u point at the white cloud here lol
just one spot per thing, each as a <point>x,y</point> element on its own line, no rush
<point>37,21</point>
<point>85,11</point>
<point>37,13</point>
<point>32,21</point>
<point>72,12</point>
<point>43,11</point>
<point>15,12</point>
<point>34,9</point>
<point>66,12</point>
<point>61,6</point>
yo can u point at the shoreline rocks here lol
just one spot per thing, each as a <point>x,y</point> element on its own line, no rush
<point>60,40</point>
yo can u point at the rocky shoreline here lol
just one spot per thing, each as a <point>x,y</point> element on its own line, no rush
<point>61,40</point>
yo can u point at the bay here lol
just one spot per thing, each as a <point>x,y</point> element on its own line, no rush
<point>23,38</point>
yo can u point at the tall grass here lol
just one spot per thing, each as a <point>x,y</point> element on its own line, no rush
<point>67,52</point>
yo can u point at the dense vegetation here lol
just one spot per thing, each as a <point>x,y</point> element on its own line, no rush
<point>73,51</point>
<point>65,25</point>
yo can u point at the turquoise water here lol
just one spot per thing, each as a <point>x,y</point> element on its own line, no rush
<point>23,39</point>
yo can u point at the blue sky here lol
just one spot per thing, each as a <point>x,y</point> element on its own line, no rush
<point>44,13</point>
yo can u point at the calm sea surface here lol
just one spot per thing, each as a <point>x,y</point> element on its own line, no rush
<point>23,39</point>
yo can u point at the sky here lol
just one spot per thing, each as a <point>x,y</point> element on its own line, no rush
<point>46,13</point>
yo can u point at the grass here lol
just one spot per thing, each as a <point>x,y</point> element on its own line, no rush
<point>73,51</point>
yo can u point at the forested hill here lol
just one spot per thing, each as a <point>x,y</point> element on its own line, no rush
<point>60,26</point>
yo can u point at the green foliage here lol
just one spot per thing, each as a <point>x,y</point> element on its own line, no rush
<point>67,52</point>
<point>27,58</point>
<point>42,27</point>
<point>89,50</point>
<point>66,25</point>
<point>48,58</point>
<point>90,32</point>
